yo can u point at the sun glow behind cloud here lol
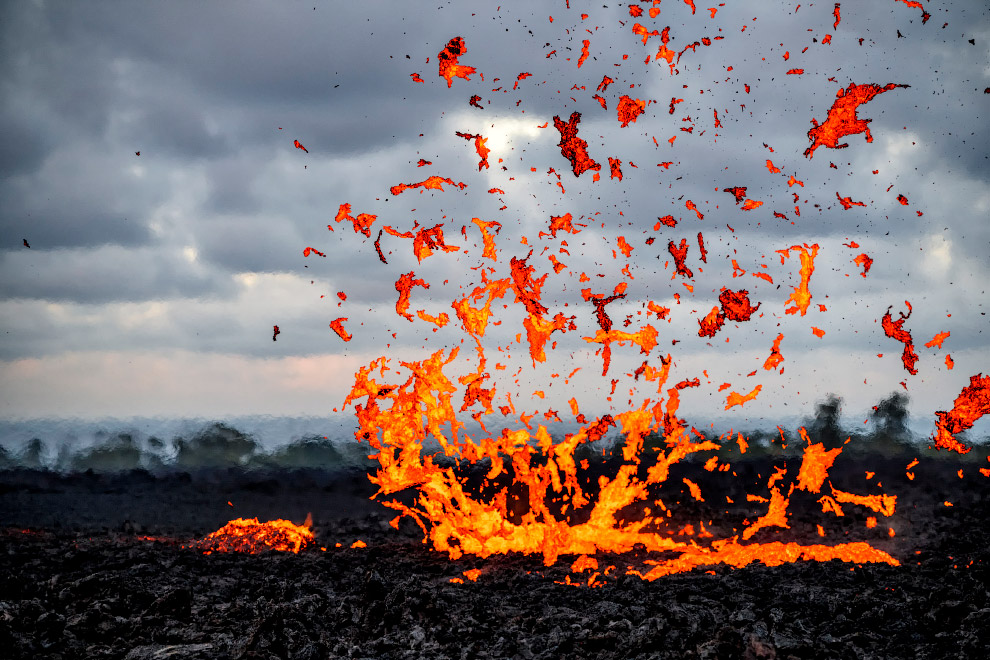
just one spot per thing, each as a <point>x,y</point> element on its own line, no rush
<point>195,245</point>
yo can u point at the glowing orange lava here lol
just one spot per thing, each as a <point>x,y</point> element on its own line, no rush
<point>847,202</point>
<point>362,223</point>
<point>938,339</point>
<point>842,119</point>
<point>775,358</point>
<point>572,147</point>
<point>971,404</point>
<point>679,253</point>
<point>432,183</point>
<point>479,146</point>
<point>801,296</point>
<point>447,60</point>
<point>736,305</point>
<point>248,535</point>
<point>337,325</point>
<point>895,330</point>
<point>534,492</point>
<point>736,399</point>
<point>864,261</point>
<point>629,109</point>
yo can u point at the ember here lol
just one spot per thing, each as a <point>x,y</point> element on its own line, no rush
<point>251,537</point>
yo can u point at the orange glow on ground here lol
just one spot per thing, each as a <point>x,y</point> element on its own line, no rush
<point>248,535</point>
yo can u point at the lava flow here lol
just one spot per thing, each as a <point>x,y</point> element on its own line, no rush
<point>531,490</point>
<point>249,536</point>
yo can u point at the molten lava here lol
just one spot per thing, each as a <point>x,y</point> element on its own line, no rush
<point>447,60</point>
<point>971,404</point>
<point>527,488</point>
<point>801,296</point>
<point>895,330</point>
<point>629,109</point>
<point>248,535</point>
<point>572,147</point>
<point>842,119</point>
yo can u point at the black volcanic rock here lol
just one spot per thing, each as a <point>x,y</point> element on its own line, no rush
<point>100,566</point>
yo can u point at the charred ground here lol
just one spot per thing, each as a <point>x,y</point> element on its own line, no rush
<point>94,565</point>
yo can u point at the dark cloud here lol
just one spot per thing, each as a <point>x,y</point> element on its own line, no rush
<point>246,243</point>
<point>110,274</point>
<point>213,99</point>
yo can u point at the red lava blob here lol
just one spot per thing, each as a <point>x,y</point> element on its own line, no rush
<point>775,357</point>
<point>679,253</point>
<point>629,109</point>
<point>847,202</point>
<point>801,296</point>
<point>479,146</point>
<point>520,77</point>
<point>938,339</point>
<point>736,399</point>
<point>362,223</point>
<point>842,119</point>
<point>538,329</point>
<point>337,325</point>
<point>584,52</point>
<point>615,166</point>
<point>917,5</point>
<point>248,535</point>
<point>404,286</point>
<point>448,61</point>
<point>739,192</point>
<point>864,261</point>
<point>895,330</point>
<point>429,239</point>
<point>572,147</point>
<point>432,183</point>
<point>562,223</point>
<point>971,404</point>
<point>736,305</point>
<point>641,31</point>
<point>712,323</point>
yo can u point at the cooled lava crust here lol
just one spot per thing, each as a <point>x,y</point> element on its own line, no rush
<point>103,566</point>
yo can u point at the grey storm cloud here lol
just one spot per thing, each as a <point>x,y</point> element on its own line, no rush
<point>196,243</point>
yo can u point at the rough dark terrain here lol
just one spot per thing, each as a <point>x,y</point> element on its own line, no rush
<point>94,566</point>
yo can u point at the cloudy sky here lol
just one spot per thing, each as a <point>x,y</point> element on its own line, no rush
<point>152,282</point>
